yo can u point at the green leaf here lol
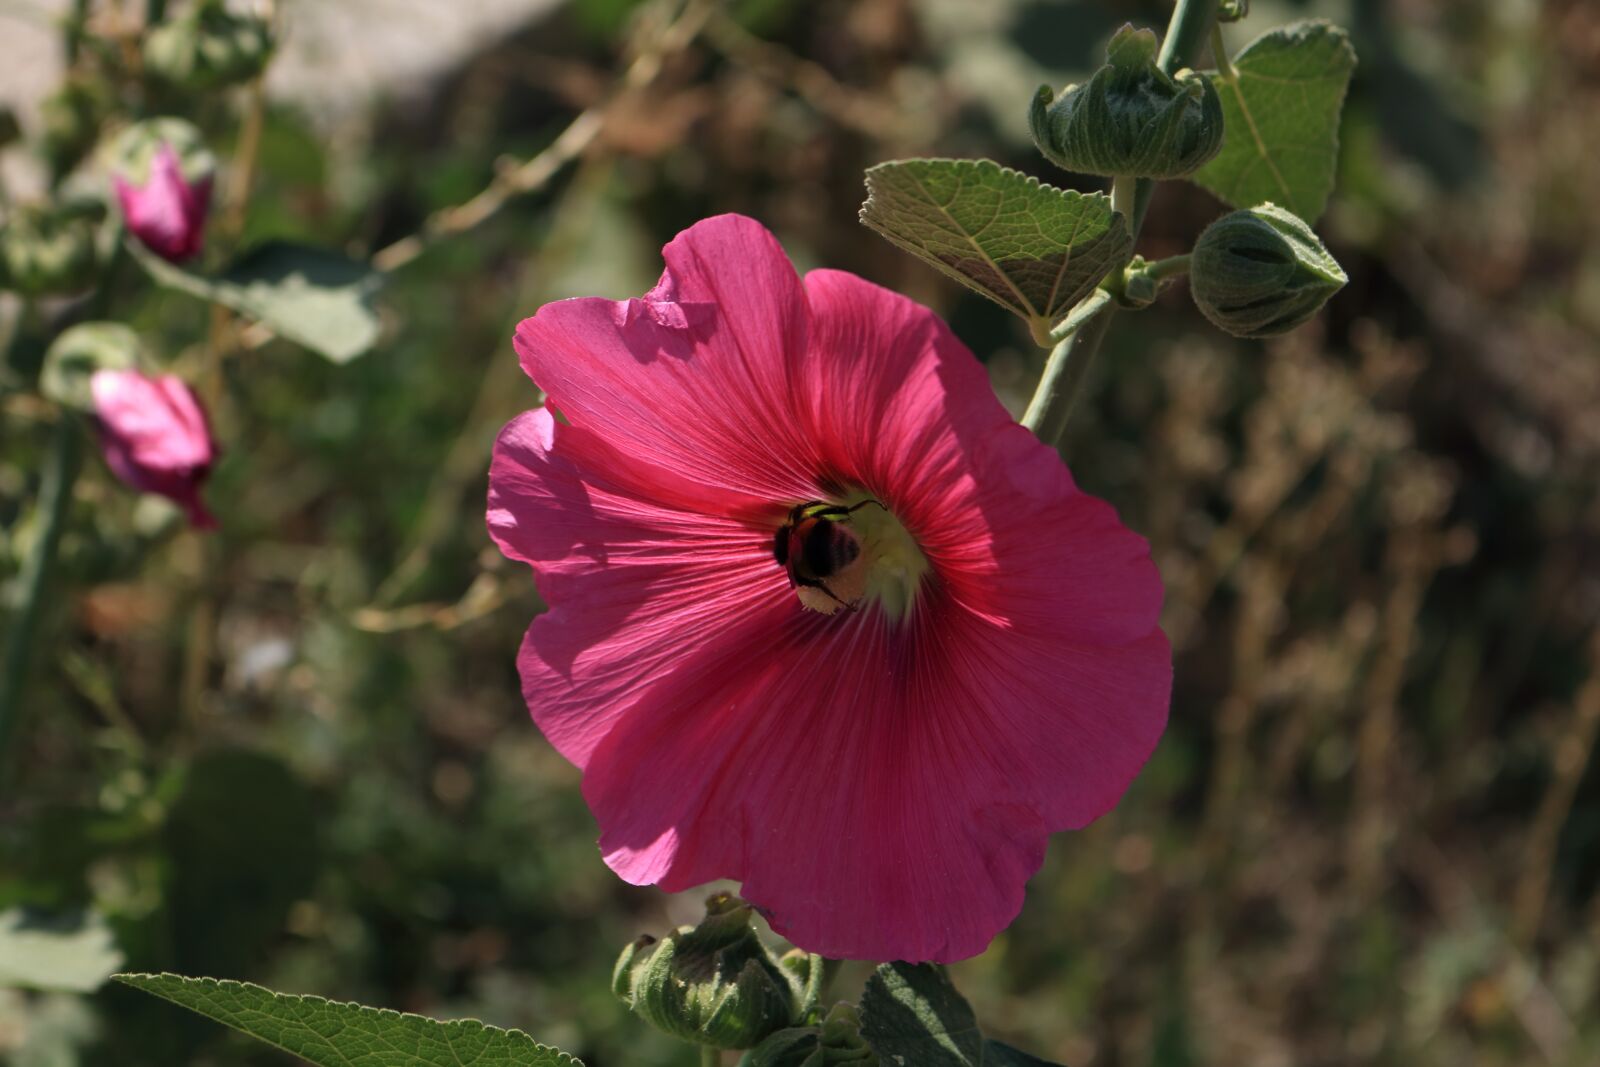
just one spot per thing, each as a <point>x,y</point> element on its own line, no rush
<point>74,953</point>
<point>1030,247</point>
<point>309,295</point>
<point>912,1015</point>
<point>1281,114</point>
<point>327,1033</point>
<point>999,1054</point>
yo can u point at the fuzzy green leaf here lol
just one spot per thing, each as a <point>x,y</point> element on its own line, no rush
<point>327,1033</point>
<point>309,295</point>
<point>1281,114</point>
<point>1030,247</point>
<point>912,1016</point>
<point>74,953</point>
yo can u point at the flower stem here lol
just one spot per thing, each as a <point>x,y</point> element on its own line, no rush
<point>1071,360</point>
<point>709,1057</point>
<point>1162,269</point>
<point>1219,55</point>
<point>55,495</point>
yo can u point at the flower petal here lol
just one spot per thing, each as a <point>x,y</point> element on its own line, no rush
<point>631,581</point>
<point>903,409</point>
<point>882,793</point>
<point>691,378</point>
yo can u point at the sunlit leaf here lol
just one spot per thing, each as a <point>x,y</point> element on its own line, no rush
<point>1281,114</point>
<point>1030,247</point>
<point>328,1033</point>
<point>912,1016</point>
<point>309,295</point>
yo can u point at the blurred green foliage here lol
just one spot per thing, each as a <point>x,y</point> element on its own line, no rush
<point>298,753</point>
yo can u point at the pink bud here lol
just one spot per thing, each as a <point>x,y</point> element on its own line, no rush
<point>167,212</point>
<point>154,436</point>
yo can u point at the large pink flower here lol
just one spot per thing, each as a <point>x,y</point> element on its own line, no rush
<point>883,779</point>
<point>154,436</point>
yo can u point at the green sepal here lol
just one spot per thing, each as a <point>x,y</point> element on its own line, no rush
<point>79,351</point>
<point>131,152</point>
<point>1131,118</point>
<point>1261,272</point>
<point>713,984</point>
<point>834,1042</point>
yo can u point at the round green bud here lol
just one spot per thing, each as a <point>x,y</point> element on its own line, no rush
<point>78,352</point>
<point>48,250</point>
<point>714,984</point>
<point>1131,119</point>
<point>1261,272</point>
<point>208,47</point>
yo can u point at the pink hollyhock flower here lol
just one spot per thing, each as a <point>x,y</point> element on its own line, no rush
<point>154,436</point>
<point>882,779</point>
<point>168,212</point>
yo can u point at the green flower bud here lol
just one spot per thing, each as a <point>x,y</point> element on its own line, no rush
<point>208,47</point>
<point>1261,272</point>
<point>78,352</point>
<point>1233,10</point>
<point>47,250</point>
<point>714,984</point>
<point>836,1041</point>
<point>1131,118</point>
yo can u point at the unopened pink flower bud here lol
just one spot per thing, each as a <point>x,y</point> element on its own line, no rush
<point>154,436</point>
<point>168,212</point>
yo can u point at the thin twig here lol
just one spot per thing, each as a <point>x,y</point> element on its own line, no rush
<point>810,81</point>
<point>1572,754</point>
<point>532,175</point>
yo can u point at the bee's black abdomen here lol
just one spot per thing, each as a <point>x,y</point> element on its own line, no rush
<point>780,545</point>
<point>829,548</point>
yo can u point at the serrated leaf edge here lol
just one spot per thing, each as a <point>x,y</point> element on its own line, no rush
<point>1302,28</point>
<point>1037,321</point>
<point>138,980</point>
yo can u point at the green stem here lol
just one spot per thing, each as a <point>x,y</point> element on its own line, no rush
<point>1162,269</point>
<point>1219,54</point>
<point>55,495</point>
<point>1123,191</point>
<point>710,1057</point>
<point>1070,361</point>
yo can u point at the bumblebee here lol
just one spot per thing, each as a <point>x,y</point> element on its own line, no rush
<point>822,555</point>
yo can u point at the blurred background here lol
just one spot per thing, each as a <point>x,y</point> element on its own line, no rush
<point>295,752</point>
